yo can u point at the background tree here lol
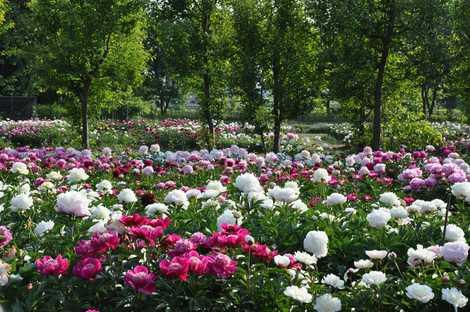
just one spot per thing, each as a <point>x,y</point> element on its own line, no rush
<point>207,22</point>
<point>15,41</point>
<point>429,53</point>
<point>76,38</point>
<point>275,44</point>
<point>461,72</point>
<point>380,26</point>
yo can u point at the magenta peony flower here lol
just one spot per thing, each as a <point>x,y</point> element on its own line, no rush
<point>102,242</point>
<point>178,266</point>
<point>87,268</point>
<point>147,232</point>
<point>5,236</point>
<point>198,264</point>
<point>50,266</point>
<point>141,279</point>
<point>221,265</point>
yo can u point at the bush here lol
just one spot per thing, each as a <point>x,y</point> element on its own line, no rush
<point>409,131</point>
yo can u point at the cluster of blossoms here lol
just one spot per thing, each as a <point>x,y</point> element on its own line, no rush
<point>159,223</point>
<point>11,129</point>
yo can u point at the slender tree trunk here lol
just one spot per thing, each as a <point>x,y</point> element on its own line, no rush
<point>377,125</point>
<point>386,42</point>
<point>433,102</point>
<point>277,94</point>
<point>206,102</point>
<point>162,105</point>
<point>207,111</point>
<point>425,99</point>
<point>84,110</point>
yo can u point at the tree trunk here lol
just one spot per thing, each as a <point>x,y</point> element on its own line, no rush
<point>425,99</point>
<point>277,94</point>
<point>206,102</point>
<point>386,42</point>
<point>433,102</point>
<point>162,106</point>
<point>207,111</point>
<point>84,110</point>
<point>377,126</point>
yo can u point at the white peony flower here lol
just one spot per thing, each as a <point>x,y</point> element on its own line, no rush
<point>227,217</point>
<point>98,227</point>
<point>20,168</point>
<point>422,293</point>
<point>21,202</point>
<point>282,261</point>
<point>376,254</point>
<point>207,194</point>
<point>216,186</point>
<point>46,186</point>
<point>454,233</point>
<point>454,297</point>
<point>374,278</point>
<point>363,264</point>
<point>419,256</point>
<point>378,218</point>
<point>127,196</point>
<point>115,223</point>
<point>299,205</point>
<point>104,187</point>
<point>327,303</point>
<point>193,193</point>
<point>54,176</point>
<point>152,209</point>
<point>286,194</point>
<point>77,175</point>
<point>321,175</point>
<point>267,204</point>
<point>74,203</point>
<point>399,213</point>
<point>177,197</point>
<point>333,281</point>
<point>390,199</point>
<point>100,212</point>
<point>300,294</point>
<point>25,188</point>
<point>316,242</point>
<point>461,190</point>
<point>305,258</point>
<point>247,183</point>
<point>43,227</point>
<point>154,148</point>
<point>335,199</point>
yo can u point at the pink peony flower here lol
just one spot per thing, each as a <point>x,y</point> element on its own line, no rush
<point>456,252</point>
<point>141,279</point>
<point>102,242</point>
<point>147,232</point>
<point>198,264</point>
<point>5,236</point>
<point>176,267</point>
<point>87,268</point>
<point>221,265</point>
<point>50,266</point>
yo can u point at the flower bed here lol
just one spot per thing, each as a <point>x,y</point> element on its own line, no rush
<point>173,134</point>
<point>229,230</point>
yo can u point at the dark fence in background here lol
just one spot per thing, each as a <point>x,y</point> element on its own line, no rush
<point>17,107</point>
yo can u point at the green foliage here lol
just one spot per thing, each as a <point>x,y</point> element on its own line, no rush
<point>410,130</point>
